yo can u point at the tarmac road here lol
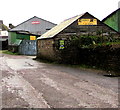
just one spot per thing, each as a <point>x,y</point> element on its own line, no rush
<point>27,83</point>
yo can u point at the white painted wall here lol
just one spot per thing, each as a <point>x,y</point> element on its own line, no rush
<point>3,33</point>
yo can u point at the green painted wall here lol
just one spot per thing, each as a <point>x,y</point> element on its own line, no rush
<point>113,21</point>
<point>12,37</point>
<point>119,21</point>
<point>15,37</point>
<point>23,36</point>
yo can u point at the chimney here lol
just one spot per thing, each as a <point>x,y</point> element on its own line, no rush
<point>11,26</point>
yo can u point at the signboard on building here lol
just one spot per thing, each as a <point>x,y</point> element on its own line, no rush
<point>35,22</point>
<point>32,37</point>
<point>87,21</point>
<point>61,42</point>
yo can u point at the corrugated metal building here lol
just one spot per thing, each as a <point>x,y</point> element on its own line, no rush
<point>25,34</point>
<point>53,43</point>
<point>113,20</point>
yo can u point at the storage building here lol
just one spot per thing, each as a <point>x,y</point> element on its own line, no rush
<point>56,44</point>
<point>22,38</point>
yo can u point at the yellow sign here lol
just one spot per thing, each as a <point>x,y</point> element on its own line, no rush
<point>87,21</point>
<point>32,37</point>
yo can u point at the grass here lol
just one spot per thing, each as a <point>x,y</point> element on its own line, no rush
<point>8,52</point>
<point>66,64</point>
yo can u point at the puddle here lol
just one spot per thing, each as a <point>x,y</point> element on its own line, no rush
<point>110,75</point>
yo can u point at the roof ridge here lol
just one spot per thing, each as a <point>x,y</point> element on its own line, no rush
<point>75,16</point>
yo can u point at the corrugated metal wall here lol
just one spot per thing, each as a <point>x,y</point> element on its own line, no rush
<point>113,21</point>
<point>12,37</point>
<point>28,47</point>
<point>40,28</point>
<point>118,21</point>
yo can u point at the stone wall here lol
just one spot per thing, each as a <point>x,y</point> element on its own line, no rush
<point>63,49</point>
<point>45,49</point>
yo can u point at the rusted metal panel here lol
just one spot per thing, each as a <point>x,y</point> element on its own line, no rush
<point>28,47</point>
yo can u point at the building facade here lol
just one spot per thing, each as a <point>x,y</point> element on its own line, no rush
<point>3,36</point>
<point>60,42</point>
<point>28,32</point>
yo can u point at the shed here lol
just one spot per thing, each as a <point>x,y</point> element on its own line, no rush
<point>27,32</point>
<point>56,44</point>
<point>113,20</point>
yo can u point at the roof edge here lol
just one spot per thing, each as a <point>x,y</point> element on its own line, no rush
<point>30,19</point>
<point>110,14</point>
<point>78,16</point>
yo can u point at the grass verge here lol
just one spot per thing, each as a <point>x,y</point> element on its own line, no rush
<point>8,52</point>
<point>101,71</point>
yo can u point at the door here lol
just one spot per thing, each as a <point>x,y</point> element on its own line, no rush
<point>28,47</point>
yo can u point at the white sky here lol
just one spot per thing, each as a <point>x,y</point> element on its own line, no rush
<point>18,11</point>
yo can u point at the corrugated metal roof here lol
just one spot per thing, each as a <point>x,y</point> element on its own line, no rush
<point>57,29</point>
<point>31,26</point>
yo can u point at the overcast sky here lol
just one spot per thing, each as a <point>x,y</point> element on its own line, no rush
<point>18,11</point>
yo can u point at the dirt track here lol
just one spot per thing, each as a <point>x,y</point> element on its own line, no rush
<point>32,84</point>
